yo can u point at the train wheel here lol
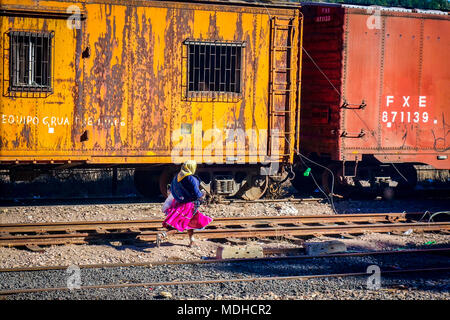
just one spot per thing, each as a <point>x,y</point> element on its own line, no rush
<point>146,183</point>
<point>164,180</point>
<point>256,189</point>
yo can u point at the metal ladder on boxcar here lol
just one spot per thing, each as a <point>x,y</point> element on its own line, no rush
<point>281,87</point>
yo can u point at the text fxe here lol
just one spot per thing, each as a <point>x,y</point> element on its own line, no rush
<point>227,146</point>
<point>400,110</point>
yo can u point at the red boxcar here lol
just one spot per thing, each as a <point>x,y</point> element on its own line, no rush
<point>375,92</point>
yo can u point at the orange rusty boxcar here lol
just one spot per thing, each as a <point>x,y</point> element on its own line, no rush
<point>149,84</point>
<point>375,95</point>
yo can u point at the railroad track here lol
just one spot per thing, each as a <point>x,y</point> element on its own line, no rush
<point>222,281</point>
<point>142,231</point>
<point>135,200</point>
<point>303,277</point>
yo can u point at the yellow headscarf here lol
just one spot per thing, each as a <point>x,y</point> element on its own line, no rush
<point>187,169</point>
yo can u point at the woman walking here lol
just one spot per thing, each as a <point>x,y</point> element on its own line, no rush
<point>181,211</point>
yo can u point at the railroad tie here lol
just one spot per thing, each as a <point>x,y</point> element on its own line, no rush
<point>34,248</point>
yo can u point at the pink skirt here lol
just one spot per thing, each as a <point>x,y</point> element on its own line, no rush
<point>181,216</point>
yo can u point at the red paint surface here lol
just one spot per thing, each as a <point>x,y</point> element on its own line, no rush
<point>402,73</point>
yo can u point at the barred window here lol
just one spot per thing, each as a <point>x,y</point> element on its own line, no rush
<point>214,66</point>
<point>30,61</point>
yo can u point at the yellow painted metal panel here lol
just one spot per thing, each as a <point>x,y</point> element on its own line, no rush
<point>118,82</point>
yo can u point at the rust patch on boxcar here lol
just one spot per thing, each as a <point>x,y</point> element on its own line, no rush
<point>212,32</point>
<point>122,72</point>
<point>256,60</point>
<point>106,76</point>
<point>186,19</point>
<point>77,88</point>
<point>183,20</point>
<point>3,143</point>
<point>240,36</point>
<point>441,143</point>
<point>24,138</point>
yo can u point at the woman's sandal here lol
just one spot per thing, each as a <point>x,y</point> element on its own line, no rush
<point>192,242</point>
<point>160,237</point>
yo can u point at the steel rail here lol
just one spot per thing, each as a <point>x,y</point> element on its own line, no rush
<point>242,227</point>
<point>222,228</point>
<point>198,282</point>
<point>294,200</point>
<point>277,231</point>
<point>150,264</point>
<point>308,230</point>
<point>156,223</point>
<point>136,200</point>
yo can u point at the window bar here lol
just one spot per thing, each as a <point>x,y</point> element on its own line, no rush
<point>27,61</point>
<point>222,74</point>
<point>197,47</point>
<point>21,62</point>
<point>200,72</point>
<point>225,74</point>
<point>14,60</point>
<point>193,70</point>
<point>25,65</point>
<point>233,67</point>
<point>45,81</point>
<point>228,80</point>
<point>210,93</point>
<point>197,81</point>
<point>39,51</point>
<point>41,67</point>
<point>211,73</point>
<point>205,84</point>
<point>52,56</point>
<point>31,70</point>
<point>238,69</point>
<point>190,70</point>
<point>218,53</point>
<point>213,70</point>
<point>205,73</point>
<point>230,92</point>
<point>49,65</point>
<point>30,57</point>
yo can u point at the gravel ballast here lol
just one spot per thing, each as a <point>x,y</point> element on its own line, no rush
<point>434,285</point>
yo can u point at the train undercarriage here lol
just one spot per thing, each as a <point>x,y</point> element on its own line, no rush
<point>349,178</point>
<point>251,182</point>
<point>248,182</point>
